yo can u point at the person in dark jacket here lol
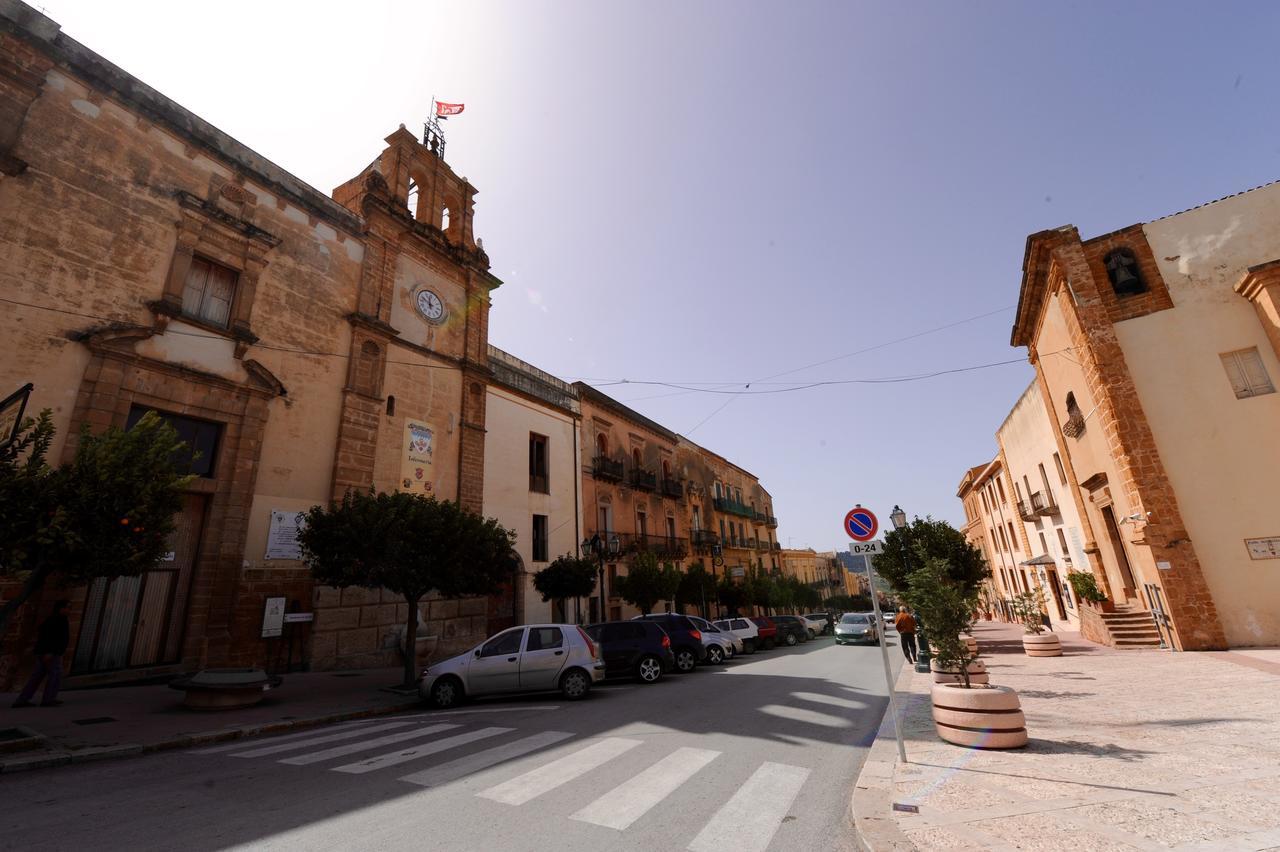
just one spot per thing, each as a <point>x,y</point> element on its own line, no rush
<point>51,644</point>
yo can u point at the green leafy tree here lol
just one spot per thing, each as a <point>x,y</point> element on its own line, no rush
<point>671,577</point>
<point>759,587</point>
<point>946,605</point>
<point>732,596</point>
<point>645,583</point>
<point>566,577</point>
<point>106,513</point>
<point>409,544</point>
<point>1028,608</point>
<point>925,539</point>
<point>696,588</point>
<point>849,603</point>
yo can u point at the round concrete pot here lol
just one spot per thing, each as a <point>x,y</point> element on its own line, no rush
<point>1042,645</point>
<point>977,673</point>
<point>982,717</point>
<point>225,689</point>
<point>971,644</point>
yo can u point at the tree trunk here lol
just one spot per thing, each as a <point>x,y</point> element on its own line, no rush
<point>411,644</point>
<point>29,587</point>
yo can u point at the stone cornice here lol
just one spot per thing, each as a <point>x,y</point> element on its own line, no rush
<point>1256,278</point>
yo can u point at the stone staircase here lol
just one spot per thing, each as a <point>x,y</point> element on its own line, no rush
<point>1131,628</point>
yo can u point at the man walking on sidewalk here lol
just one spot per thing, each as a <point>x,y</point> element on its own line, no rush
<point>51,644</point>
<point>906,627</point>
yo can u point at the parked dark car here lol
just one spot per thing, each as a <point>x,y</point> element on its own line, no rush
<point>639,649</point>
<point>768,632</point>
<point>686,639</point>
<point>791,629</point>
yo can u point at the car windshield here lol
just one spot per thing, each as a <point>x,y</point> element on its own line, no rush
<point>853,618</point>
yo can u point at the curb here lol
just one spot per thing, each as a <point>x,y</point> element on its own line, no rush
<point>98,753</point>
<point>870,806</point>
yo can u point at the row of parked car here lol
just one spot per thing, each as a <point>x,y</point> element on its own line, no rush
<point>570,658</point>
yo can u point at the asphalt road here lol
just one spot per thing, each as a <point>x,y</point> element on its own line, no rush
<point>759,754</point>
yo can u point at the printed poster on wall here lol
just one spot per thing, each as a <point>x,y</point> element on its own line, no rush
<point>282,537</point>
<point>419,445</point>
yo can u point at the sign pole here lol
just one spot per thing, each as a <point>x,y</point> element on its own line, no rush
<point>861,525</point>
<point>884,656</point>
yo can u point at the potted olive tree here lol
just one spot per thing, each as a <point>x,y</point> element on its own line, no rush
<point>967,710</point>
<point>1028,608</point>
<point>1085,585</point>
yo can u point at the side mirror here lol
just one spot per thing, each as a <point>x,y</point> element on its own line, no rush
<point>477,652</point>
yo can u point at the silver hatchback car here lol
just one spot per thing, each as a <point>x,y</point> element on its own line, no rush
<point>532,658</point>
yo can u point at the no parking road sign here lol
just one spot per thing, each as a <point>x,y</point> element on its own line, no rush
<point>861,524</point>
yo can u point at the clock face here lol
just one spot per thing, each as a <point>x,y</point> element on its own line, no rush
<point>429,305</point>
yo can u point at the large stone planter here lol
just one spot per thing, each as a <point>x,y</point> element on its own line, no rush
<point>971,644</point>
<point>1042,645</point>
<point>983,717</point>
<point>977,673</point>
<point>225,689</point>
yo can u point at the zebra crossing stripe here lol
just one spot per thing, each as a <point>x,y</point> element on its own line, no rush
<point>626,803</point>
<point>545,778</point>
<point>365,745</point>
<point>749,820</point>
<point>305,740</point>
<point>396,757</point>
<point>440,775</point>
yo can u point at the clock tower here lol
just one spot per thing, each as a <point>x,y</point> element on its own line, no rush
<point>413,407</point>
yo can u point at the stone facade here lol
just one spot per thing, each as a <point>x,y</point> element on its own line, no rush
<point>307,371</point>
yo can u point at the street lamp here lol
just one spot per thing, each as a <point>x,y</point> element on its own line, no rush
<point>899,520</point>
<point>599,548</point>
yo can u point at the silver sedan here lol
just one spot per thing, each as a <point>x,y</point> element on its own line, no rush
<point>856,627</point>
<point>532,658</point>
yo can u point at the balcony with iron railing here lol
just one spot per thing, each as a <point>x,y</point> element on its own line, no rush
<point>1044,504</point>
<point>610,470</point>
<point>661,546</point>
<point>777,545</point>
<point>733,507</point>
<point>643,480</point>
<point>705,539</point>
<point>672,489</point>
<point>1025,511</point>
<point>763,544</point>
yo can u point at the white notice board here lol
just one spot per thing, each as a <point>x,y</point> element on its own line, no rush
<point>273,618</point>
<point>282,538</point>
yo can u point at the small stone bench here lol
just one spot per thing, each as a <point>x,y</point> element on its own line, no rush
<point>225,689</point>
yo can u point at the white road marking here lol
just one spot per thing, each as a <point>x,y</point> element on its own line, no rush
<point>299,741</point>
<point>631,800</point>
<point>545,778</point>
<point>749,820</point>
<point>397,757</point>
<point>241,742</point>
<point>365,745</point>
<point>437,776</point>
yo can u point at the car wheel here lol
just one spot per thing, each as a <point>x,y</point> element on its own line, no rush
<point>649,669</point>
<point>446,692</point>
<point>791,639</point>
<point>715,656</point>
<point>685,660</point>
<point>575,684</point>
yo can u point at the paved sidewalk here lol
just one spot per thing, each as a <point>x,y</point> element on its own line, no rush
<point>94,724</point>
<point>1129,750</point>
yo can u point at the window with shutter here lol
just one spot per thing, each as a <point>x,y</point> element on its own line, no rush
<point>209,291</point>
<point>1247,373</point>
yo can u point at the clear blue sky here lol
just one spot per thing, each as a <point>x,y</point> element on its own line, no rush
<point>716,192</point>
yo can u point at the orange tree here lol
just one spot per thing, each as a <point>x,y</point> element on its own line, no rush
<point>409,544</point>
<point>106,513</point>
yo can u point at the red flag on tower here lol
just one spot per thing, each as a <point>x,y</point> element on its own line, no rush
<point>445,110</point>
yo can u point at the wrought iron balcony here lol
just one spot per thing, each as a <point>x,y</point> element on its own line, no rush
<point>1044,504</point>
<point>770,521</point>
<point>603,467</point>
<point>672,489</point>
<point>705,539</point>
<point>643,480</point>
<point>1025,511</point>
<point>762,544</point>
<point>661,546</point>
<point>733,507</point>
<point>777,545</point>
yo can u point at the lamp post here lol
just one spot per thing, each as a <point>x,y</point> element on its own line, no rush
<point>899,520</point>
<point>599,547</point>
<point>717,558</point>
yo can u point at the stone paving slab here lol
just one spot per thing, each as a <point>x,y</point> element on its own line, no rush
<point>1129,750</point>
